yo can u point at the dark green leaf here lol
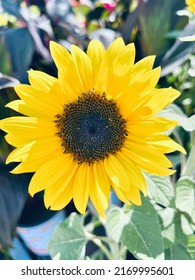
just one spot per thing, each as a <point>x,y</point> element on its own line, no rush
<point>179,52</point>
<point>13,194</point>
<point>142,235</point>
<point>177,252</point>
<point>154,21</point>
<point>11,7</point>
<point>5,65</point>
<point>21,48</point>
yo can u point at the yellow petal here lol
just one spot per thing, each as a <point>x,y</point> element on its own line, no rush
<point>117,173</point>
<point>68,74</point>
<point>40,102</point>
<point>81,185</point>
<point>147,153</point>
<point>84,68</point>
<point>95,52</point>
<point>106,66</point>
<point>145,64</point>
<point>147,165</point>
<point>55,192</point>
<point>135,175</point>
<point>40,80</point>
<point>151,126</point>
<point>28,127</point>
<point>61,57</point>
<point>156,100</point>
<point>134,195</point>
<point>35,154</point>
<point>118,78</point>
<point>16,140</point>
<point>98,194</point>
<point>49,173</point>
<point>166,143</point>
<point>63,199</point>
<point>121,194</point>
<point>102,179</point>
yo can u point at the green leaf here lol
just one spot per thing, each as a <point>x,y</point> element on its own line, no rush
<point>160,189</point>
<point>185,195</point>
<point>5,65</point>
<point>68,240</point>
<point>173,112</point>
<point>179,52</point>
<point>157,15</point>
<point>177,252</point>
<point>191,246</point>
<point>115,222</point>
<point>172,231</point>
<point>21,38</point>
<point>154,23</point>
<point>13,195</point>
<point>142,235</point>
<point>187,224</point>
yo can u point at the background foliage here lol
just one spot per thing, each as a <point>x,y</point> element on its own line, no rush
<point>163,227</point>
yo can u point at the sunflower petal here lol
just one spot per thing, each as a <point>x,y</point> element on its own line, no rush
<point>81,187</point>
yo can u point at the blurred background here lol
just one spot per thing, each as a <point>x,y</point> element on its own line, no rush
<point>26,27</point>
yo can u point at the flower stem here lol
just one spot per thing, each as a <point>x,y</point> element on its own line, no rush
<point>96,240</point>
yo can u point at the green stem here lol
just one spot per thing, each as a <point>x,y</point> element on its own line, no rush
<point>96,240</point>
<point>189,169</point>
<point>122,252</point>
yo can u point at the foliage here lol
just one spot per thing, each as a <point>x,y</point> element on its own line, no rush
<point>163,227</point>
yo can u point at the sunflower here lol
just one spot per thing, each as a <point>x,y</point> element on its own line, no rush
<point>191,5</point>
<point>93,128</point>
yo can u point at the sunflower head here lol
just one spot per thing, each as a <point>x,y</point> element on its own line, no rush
<point>93,128</point>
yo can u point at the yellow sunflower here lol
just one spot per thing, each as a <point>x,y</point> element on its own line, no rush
<point>93,128</point>
<point>191,5</point>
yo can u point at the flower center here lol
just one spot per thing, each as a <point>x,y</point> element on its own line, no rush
<point>91,128</point>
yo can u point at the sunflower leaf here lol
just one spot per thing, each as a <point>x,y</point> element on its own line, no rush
<point>177,252</point>
<point>172,230</point>
<point>68,240</point>
<point>160,189</point>
<point>144,244</point>
<point>112,223</point>
<point>185,195</point>
<point>191,245</point>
